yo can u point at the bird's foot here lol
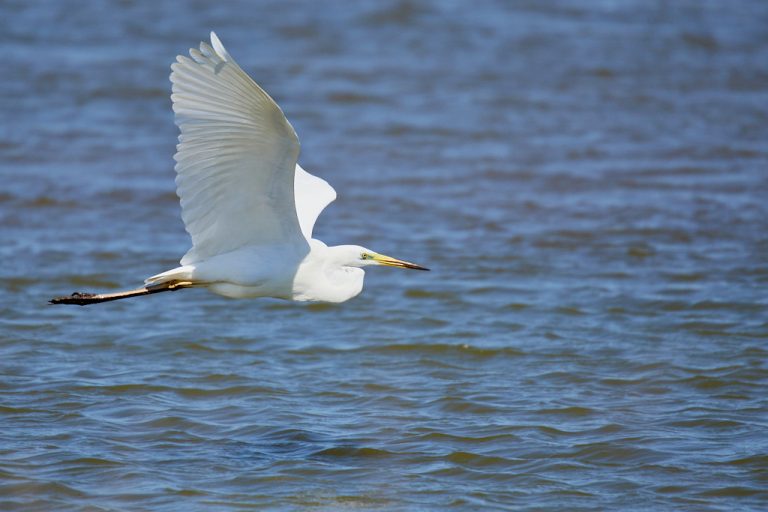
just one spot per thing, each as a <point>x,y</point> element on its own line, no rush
<point>75,298</point>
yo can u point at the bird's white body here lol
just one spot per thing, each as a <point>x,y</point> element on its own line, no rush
<point>275,271</point>
<point>245,201</point>
<point>247,204</point>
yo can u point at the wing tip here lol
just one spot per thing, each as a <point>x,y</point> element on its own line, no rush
<point>219,48</point>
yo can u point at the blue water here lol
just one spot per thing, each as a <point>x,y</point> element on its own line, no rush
<point>588,182</point>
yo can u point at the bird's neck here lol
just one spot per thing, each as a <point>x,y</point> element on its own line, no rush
<point>324,277</point>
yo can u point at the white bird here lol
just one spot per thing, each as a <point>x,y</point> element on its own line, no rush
<point>247,204</point>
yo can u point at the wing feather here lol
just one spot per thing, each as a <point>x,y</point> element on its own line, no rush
<point>313,194</point>
<point>236,157</point>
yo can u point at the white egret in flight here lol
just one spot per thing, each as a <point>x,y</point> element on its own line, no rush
<point>247,204</point>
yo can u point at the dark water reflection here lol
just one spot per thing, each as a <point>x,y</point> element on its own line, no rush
<point>588,183</point>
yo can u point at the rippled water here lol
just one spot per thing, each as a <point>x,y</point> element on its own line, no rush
<point>588,183</point>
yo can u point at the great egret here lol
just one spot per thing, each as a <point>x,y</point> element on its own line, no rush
<point>245,201</point>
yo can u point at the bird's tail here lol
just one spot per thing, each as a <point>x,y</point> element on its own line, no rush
<point>83,299</point>
<point>183,273</point>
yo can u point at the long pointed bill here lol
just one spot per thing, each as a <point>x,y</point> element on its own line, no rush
<point>394,262</point>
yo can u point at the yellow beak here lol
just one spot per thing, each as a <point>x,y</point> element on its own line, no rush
<point>394,262</point>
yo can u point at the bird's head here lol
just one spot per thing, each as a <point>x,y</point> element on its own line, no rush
<point>356,256</point>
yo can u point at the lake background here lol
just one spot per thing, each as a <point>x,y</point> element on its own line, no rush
<point>588,182</point>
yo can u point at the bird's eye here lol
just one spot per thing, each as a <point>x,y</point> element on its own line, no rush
<point>364,256</point>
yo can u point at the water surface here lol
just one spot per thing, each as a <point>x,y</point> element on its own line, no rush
<point>588,184</point>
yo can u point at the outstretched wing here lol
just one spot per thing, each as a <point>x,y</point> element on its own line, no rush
<point>313,194</point>
<point>235,159</point>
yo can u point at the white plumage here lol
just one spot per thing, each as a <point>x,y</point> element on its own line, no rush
<point>235,160</point>
<point>247,204</point>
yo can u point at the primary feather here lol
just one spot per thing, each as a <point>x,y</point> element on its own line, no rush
<point>236,157</point>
